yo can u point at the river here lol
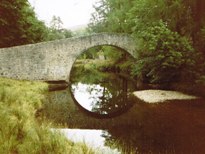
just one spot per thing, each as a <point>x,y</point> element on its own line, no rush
<point>175,126</point>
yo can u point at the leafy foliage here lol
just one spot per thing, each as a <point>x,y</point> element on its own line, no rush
<point>171,35</point>
<point>19,24</point>
<point>164,56</point>
<point>56,30</point>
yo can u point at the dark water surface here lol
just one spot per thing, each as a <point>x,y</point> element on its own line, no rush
<point>172,127</point>
<point>108,95</point>
<point>169,127</point>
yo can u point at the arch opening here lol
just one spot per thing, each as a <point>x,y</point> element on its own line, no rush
<point>99,81</point>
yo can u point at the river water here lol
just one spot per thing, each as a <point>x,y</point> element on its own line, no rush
<point>106,95</point>
<point>176,126</point>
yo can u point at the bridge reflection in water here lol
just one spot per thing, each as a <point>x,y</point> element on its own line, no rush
<point>107,96</point>
<point>172,127</point>
<point>176,126</point>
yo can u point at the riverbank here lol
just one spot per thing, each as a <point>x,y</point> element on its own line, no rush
<point>82,66</point>
<point>104,65</point>
<point>22,129</point>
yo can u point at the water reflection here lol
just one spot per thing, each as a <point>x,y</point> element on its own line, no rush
<point>170,127</point>
<point>93,96</point>
<point>174,127</point>
<point>91,137</point>
<point>108,95</point>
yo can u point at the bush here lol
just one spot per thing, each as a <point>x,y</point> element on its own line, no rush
<point>164,56</point>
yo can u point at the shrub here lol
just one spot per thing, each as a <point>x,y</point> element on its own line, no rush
<point>164,56</point>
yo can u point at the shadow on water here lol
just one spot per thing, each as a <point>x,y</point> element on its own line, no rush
<point>176,126</point>
<point>171,127</point>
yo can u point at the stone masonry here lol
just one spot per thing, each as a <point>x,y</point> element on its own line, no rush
<point>53,60</point>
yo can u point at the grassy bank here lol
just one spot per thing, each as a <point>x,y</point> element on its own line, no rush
<point>20,130</point>
<point>105,65</point>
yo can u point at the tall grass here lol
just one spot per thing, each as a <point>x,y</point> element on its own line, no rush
<point>20,130</point>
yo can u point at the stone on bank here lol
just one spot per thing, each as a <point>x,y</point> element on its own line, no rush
<point>159,96</point>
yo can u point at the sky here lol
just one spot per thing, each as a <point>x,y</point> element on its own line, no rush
<point>72,12</point>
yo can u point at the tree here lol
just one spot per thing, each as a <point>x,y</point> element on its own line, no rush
<point>56,30</point>
<point>180,35</point>
<point>56,23</point>
<point>19,24</point>
<point>111,16</point>
<point>165,56</point>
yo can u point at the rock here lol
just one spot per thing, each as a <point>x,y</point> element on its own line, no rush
<point>156,96</point>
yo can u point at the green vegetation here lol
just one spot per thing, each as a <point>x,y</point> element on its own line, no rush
<point>19,25</point>
<point>21,129</point>
<point>56,30</point>
<point>169,36</point>
<point>105,59</point>
<point>165,56</point>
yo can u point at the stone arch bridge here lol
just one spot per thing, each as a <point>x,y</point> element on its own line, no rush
<point>53,60</point>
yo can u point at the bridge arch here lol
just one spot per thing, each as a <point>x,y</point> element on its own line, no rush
<point>121,41</point>
<point>52,61</point>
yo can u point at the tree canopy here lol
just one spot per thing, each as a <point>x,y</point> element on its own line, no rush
<point>170,35</point>
<point>56,30</point>
<point>19,24</point>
